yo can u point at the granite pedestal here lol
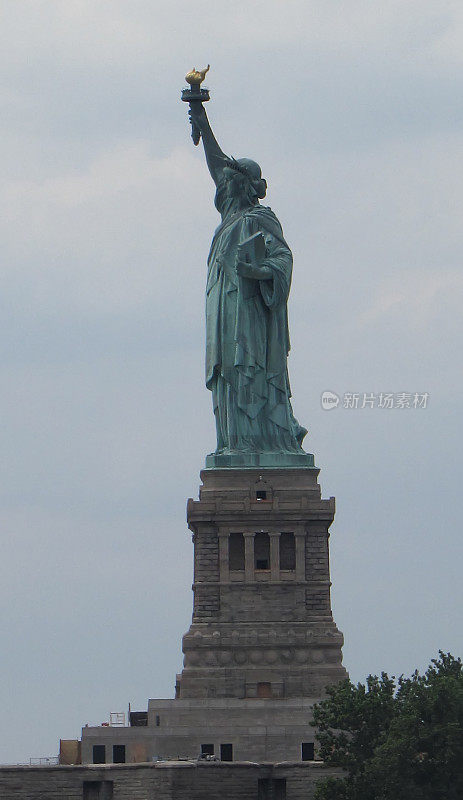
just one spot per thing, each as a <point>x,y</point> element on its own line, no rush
<point>262,645</point>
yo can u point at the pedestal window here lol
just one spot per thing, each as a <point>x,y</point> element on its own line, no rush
<point>236,551</point>
<point>262,551</point>
<point>287,552</point>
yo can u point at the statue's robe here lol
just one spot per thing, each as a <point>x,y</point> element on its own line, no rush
<point>247,339</point>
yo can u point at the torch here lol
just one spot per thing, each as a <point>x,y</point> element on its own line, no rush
<point>195,95</point>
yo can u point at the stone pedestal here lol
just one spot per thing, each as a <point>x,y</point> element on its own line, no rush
<point>262,645</point>
<point>262,624</point>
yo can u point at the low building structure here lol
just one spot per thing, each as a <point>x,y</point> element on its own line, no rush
<point>182,780</point>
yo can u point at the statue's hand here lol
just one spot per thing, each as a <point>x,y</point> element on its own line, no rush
<point>247,270</point>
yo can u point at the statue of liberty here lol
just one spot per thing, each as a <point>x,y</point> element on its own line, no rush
<point>247,336</point>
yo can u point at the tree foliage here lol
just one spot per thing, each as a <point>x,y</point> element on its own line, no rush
<point>396,740</point>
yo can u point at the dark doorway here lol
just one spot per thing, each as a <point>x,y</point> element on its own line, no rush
<point>118,753</point>
<point>264,690</point>
<point>308,751</point>
<point>271,789</point>
<point>97,790</point>
<point>99,754</point>
<point>226,752</point>
<point>207,749</point>
<point>236,551</point>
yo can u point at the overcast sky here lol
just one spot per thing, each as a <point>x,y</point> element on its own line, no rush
<point>354,110</point>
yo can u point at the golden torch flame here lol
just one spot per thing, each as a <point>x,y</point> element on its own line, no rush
<point>196,76</point>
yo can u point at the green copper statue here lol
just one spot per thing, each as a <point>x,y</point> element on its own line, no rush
<point>247,337</point>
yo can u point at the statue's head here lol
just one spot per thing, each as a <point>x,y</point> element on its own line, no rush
<point>244,176</point>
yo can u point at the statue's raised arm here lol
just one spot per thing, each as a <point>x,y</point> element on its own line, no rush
<point>215,158</point>
<point>201,128</point>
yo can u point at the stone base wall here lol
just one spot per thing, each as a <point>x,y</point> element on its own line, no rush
<point>262,610</point>
<point>299,658</point>
<point>164,781</point>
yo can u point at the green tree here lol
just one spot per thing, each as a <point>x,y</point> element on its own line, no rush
<point>396,740</point>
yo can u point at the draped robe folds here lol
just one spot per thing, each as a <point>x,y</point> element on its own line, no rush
<point>247,340</point>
